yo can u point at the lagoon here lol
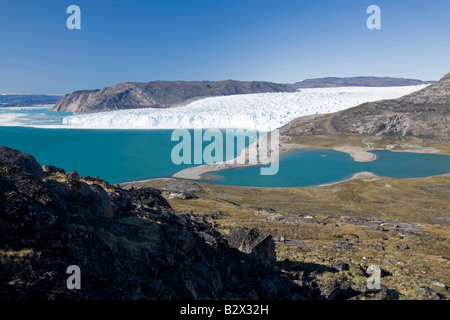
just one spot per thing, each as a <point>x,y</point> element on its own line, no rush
<point>304,168</point>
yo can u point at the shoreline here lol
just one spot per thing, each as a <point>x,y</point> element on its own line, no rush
<point>363,175</point>
<point>358,154</point>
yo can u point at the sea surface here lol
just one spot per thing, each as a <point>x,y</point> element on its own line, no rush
<point>113,155</point>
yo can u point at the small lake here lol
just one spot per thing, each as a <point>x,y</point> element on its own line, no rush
<point>302,168</point>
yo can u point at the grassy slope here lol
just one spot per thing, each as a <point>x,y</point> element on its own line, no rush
<point>369,142</point>
<point>425,201</point>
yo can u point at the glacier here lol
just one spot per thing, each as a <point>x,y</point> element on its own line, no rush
<point>261,111</point>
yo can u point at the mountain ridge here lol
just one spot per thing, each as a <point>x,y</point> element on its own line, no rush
<point>365,81</point>
<point>166,94</point>
<point>22,100</point>
<point>158,94</point>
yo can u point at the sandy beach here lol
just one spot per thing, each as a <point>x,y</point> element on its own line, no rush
<point>359,154</point>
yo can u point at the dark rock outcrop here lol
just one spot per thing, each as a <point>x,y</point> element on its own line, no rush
<point>254,242</point>
<point>340,266</point>
<point>330,290</point>
<point>13,163</point>
<point>377,294</point>
<point>52,170</point>
<point>429,293</point>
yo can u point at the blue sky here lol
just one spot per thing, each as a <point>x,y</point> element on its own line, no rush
<point>280,41</point>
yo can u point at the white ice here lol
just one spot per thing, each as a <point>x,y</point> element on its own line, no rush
<point>264,111</point>
<point>11,119</point>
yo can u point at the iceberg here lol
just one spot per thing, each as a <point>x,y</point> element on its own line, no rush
<point>261,111</point>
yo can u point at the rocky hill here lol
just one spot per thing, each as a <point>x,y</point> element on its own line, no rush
<point>158,94</point>
<point>21,100</point>
<point>423,114</point>
<point>130,244</point>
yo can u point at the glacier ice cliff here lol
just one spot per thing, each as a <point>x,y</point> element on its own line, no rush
<point>262,111</point>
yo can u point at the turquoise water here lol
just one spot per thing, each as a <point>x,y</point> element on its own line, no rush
<point>129,155</point>
<point>113,155</point>
<point>303,168</point>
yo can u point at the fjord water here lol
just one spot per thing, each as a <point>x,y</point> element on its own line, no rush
<point>129,155</point>
<point>113,155</point>
<point>303,168</point>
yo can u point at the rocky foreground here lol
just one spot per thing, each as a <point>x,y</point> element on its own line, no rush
<point>131,244</point>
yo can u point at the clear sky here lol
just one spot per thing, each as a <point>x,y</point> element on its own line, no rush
<point>273,40</point>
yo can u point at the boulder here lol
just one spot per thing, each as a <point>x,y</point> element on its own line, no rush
<point>121,201</point>
<point>184,242</point>
<point>385,294</point>
<point>255,242</point>
<point>149,197</point>
<point>267,290</point>
<point>403,246</point>
<point>182,195</point>
<point>387,261</point>
<point>100,201</point>
<point>6,185</point>
<point>330,290</point>
<point>430,293</point>
<point>346,291</point>
<point>19,213</point>
<point>51,170</point>
<point>438,284</point>
<point>79,189</point>
<point>210,275</point>
<point>343,245</point>
<point>340,265</point>
<point>14,162</point>
<point>73,176</point>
